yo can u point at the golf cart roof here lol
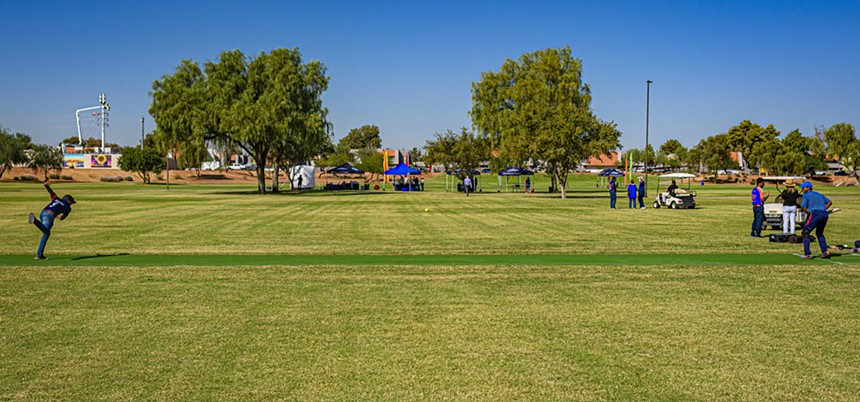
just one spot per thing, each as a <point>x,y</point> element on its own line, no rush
<point>677,176</point>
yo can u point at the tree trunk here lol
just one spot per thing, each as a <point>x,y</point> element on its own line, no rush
<point>261,178</point>
<point>557,178</point>
<point>276,174</point>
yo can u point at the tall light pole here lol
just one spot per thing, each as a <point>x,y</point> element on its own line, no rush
<point>647,115</point>
<point>141,132</point>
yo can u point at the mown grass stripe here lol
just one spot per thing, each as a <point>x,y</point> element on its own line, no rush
<point>422,260</point>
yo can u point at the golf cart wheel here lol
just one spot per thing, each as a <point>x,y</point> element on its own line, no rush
<point>673,205</point>
<point>656,205</point>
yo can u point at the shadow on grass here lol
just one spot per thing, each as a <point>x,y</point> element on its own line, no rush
<point>288,193</point>
<point>98,256</point>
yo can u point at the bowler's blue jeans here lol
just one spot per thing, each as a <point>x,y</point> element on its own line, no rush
<point>47,220</point>
<point>817,220</point>
<point>758,220</point>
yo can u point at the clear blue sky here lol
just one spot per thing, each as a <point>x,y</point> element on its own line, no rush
<point>408,66</point>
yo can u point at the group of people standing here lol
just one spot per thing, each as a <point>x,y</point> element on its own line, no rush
<point>634,193</point>
<point>813,203</point>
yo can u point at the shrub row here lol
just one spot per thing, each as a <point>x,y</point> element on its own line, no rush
<point>115,179</point>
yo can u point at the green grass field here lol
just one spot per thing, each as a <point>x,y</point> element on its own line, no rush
<point>214,292</point>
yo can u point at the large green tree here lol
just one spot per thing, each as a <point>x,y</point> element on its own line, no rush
<point>292,98</point>
<point>463,151</point>
<point>46,158</point>
<point>744,136</point>
<point>538,107</point>
<point>712,153</point>
<point>141,161</point>
<point>672,153</point>
<point>12,148</point>
<point>266,105</point>
<point>366,136</point>
<point>842,142</point>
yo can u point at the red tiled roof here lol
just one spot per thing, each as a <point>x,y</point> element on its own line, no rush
<point>603,160</point>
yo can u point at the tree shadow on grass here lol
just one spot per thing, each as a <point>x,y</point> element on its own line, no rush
<point>288,193</point>
<point>98,256</point>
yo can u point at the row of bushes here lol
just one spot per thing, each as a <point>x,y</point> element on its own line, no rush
<point>29,177</point>
<point>116,178</point>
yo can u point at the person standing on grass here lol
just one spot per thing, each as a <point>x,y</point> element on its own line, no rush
<point>612,190</point>
<point>422,183</point>
<point>631,195</point>
<point>641,193</point>
<point>528,184</point>
<point>467,185</point>
<point>759,196</point>
<point>789,198</point>
<point>58,207</point>
<point>815,205</point>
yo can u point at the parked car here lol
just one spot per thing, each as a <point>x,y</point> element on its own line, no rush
<point>840,173</point>
<point>235,166</point>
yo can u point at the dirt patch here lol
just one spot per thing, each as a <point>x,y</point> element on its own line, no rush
<point>189,176</point>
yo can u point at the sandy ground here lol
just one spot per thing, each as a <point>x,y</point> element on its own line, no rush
<point>183,176</point>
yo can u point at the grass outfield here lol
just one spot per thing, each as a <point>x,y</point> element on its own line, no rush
<point>430,332</point>
<point>116,218</point>
<point>213,292</point>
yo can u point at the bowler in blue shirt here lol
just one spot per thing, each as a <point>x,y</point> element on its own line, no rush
<point>815,205</point>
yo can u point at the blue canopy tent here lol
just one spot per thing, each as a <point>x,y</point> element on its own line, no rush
<point>511,172</point>
<point>346,168</point>
<point>608,172</point>
<point>401,170</point>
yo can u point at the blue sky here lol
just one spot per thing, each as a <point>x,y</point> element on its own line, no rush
<point>408,66</point>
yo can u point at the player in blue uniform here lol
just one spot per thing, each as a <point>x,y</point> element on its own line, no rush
<point>815,205</point>
<point>59,207</point>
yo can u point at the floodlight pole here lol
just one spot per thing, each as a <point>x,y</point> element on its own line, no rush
<point>141,132</point>
<point>647,116</point>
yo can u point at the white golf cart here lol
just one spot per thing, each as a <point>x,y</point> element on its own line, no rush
<point>678,197</point>
<point>773,210</point>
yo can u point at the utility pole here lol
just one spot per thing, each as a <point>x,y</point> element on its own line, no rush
<point>104,108</point>
<point>647,115</point>
<point>141,132</point>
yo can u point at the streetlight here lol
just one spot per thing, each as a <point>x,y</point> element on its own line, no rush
<point>647,114</point>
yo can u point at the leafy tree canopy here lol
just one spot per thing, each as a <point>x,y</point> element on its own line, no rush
<point>538,107</point>
<point>142,161</point>
<point>46,158</point>
<point>842,142</point>
<point>463,151</point>
<point>12,148</point>
<point>743,137</point>
<point>269,105</point>
<point>366,136</point>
